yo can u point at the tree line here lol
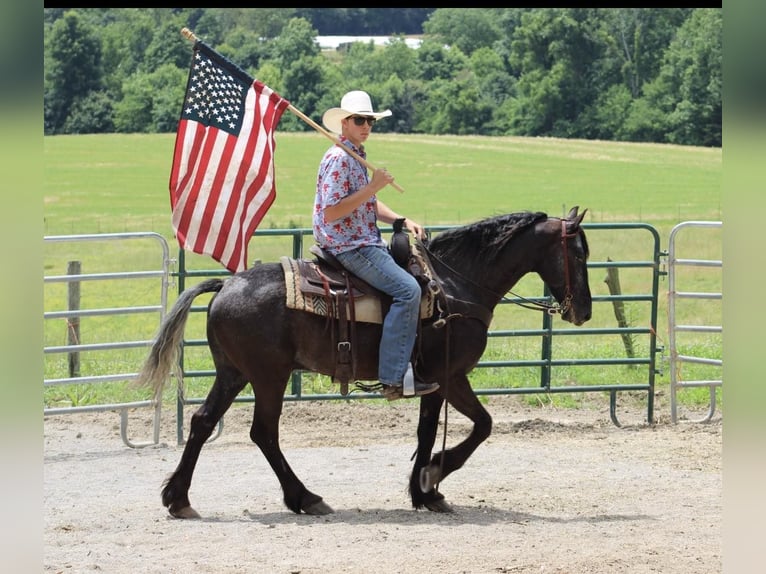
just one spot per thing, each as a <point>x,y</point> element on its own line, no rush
<point>621,74</point>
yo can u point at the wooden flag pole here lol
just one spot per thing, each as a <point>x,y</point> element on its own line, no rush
<point>189,35</point>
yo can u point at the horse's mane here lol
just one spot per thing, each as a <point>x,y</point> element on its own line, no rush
<point>484,239</point>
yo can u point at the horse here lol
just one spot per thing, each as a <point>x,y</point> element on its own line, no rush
<point>255,338</point>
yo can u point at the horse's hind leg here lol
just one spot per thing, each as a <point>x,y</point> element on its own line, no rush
<point>175,491</point>
<point>265,433</point>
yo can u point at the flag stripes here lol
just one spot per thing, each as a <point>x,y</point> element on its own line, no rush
<point>222,177</point>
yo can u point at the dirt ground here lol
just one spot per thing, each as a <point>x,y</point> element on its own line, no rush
<point>560,491</point>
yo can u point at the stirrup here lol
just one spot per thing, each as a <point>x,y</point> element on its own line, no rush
<point>373,388</point>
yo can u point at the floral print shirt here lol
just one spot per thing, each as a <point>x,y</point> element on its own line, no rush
<point>341,175</point>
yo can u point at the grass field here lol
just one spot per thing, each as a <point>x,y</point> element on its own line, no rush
<point>115,183</point>
<point>119,183</point>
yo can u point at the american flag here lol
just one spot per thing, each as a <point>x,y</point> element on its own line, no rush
<point>222,179</point>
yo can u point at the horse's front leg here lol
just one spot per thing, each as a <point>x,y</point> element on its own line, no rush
<point>264,432</point>
<point>175,490</point>
<point>427,475</point>
<point>428,424</point>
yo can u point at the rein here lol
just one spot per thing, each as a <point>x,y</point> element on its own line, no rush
<point>550,308</point>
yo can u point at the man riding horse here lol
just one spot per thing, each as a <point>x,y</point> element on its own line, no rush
<point>346,212</point>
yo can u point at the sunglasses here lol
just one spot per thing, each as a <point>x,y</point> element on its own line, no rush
<point>359,120</point>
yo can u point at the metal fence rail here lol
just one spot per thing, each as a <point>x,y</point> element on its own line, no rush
<point>545,360</point>
<point>544,339</point>
<point>74,348</point>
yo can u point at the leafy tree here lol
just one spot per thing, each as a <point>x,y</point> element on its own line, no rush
<point>167,46</point>
<point>50,15</point>
<point>297,79</point>
<point>508,20</point>
<point>395,59</point>
<point>644,123</point>
<point>465,28</point>
<point>168,85</point>
<point>385,21</point>
<point>205,24</point>
<point>296,55</point>
<point>72,69</point>
<point>437,62</point>
<point>454,107</point>
<point>333,87</point>
<point>125,41</point>
<point>683,104</point>
<point>263,23</point>
<point>636,38</point>
<point>271,75</point>
<point>495,83</point>
<point>358,65</point>
<point>554,53</point>
<point>91,114</point>
<point>641,74</point>
<point>607,118</point>
<point>245,48</point>
<point>692,66</point>
<point>402,97</point>
<point>133,114</point>
<point>495,86</point>
<point>297,41</point>
<point>152,101</point>
<point>365,21</point>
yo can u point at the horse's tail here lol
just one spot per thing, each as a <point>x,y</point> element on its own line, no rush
<point>165,350</point>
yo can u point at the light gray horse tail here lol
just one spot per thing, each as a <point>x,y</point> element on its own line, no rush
<point>167,344</point>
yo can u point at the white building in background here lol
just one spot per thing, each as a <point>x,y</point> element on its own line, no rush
<point>332,42</point>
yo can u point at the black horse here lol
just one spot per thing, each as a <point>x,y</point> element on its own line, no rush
<point>255,338</point>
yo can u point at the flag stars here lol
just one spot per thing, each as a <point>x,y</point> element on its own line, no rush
<point>214,97</point>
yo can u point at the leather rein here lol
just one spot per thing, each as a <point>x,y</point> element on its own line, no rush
<point>550,308</point>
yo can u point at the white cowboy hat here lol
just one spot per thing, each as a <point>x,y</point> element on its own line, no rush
<point>356,103</point>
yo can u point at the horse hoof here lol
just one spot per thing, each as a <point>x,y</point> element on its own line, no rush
<point>185,512</point>
<point>439,506</point>
<point>429,478</point>
<point>319,508</point>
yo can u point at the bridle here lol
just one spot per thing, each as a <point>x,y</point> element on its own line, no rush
<point>567,303</point>
<point>550,308</point>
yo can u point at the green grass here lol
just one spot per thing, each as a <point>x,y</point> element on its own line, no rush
<point>116,183</point>
<point>119,183</point>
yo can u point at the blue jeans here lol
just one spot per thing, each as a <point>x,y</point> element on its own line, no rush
<point>376,266</point>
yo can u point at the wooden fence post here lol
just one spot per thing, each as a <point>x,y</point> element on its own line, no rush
<point>612,280</point>
<point>73,323</point>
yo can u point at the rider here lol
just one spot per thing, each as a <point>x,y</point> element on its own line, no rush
<point>346,212</point>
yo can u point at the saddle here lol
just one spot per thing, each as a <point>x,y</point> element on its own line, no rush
<point>323,286</point>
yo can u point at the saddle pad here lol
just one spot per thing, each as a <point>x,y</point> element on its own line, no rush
<point>367,308</point>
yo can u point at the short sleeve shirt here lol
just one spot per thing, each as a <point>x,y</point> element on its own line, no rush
<point>341,175</point>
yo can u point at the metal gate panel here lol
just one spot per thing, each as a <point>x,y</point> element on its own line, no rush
<point>70,316</point>
<point>678,354</point>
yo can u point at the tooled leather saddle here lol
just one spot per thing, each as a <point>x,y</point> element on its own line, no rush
<point>340,292</point>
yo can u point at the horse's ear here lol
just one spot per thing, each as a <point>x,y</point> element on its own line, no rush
<point>575,218</point>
